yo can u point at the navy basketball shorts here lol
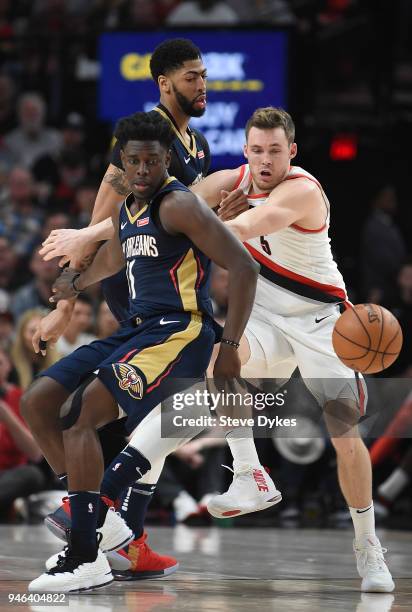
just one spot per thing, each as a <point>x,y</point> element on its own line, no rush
<point>163,355</point>
<point>71,371</point>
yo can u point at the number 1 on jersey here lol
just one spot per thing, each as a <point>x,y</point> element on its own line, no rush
<point>130,278</point>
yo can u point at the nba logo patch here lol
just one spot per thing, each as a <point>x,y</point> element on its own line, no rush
<point>200,154</point>
<point>141,222</point>
<point>128,379</point>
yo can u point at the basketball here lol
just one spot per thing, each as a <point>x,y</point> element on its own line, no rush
<point>367,338</point>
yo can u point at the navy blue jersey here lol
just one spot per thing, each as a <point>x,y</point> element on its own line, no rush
<point>166,273</point>
<point>189,164</point>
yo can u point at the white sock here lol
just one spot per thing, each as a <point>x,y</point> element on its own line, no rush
<point>242,447</point>
<point>394,484</point>
<point>363,522</point>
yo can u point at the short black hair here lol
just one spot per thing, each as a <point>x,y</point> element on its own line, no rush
<point>144,126</point>
<point>171,55</point>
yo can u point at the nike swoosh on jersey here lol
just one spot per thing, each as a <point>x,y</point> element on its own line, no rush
<point>319,320</point>
<point>163,322</point>
<point>187,160</point>
<point>123,225</point>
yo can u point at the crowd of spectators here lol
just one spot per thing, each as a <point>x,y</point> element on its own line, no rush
<point>51,163</point>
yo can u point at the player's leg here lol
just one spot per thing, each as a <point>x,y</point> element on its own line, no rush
<point>82,565</point>
<point>41,403</point>
<point>40,407</point>
<point>342,396</point>
<point>265,354</point>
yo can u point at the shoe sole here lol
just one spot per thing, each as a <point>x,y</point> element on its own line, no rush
<point>129,575</point>
<point>238,512</point>
<point>60,532</point>
<point>378,588</point>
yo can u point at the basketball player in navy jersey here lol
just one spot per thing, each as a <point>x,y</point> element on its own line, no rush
<point>165,235</point>
<point>178,69</point>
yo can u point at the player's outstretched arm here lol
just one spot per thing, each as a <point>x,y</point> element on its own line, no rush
<point>73,245</point>
<point>183,213</point>
<point>108,260</point>
<point>289,203</point>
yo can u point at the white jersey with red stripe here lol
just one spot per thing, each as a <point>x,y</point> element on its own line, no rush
<point>298,273</point>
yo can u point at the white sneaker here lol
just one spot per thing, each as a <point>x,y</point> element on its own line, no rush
<point>376,578</point>
<point>184,505</point>
<point>73,574</point>
<point>115,535</point>
<point>252,489</point>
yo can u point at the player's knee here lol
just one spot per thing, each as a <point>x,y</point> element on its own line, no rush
<point>31,405</point>
<point>345,447</point>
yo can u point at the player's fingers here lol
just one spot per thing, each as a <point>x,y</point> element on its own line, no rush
<point>35,341</point>
<point>64,260</point>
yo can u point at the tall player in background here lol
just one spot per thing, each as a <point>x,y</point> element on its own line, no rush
<point>178,69</point>
<point>299,297</point>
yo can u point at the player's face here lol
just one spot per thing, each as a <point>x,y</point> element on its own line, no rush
<point>188,85</point>
<point>145,164</point>
<point>268,153</point>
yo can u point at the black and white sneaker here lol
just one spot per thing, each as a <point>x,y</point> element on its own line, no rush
<point>73,573</point>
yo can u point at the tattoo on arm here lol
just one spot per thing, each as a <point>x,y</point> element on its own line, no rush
<point>117,179</point>
<point>85,262</point>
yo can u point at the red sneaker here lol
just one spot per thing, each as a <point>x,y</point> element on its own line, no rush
<point>144,562</point>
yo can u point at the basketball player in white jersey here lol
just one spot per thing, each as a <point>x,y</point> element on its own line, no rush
<point>299,297</point>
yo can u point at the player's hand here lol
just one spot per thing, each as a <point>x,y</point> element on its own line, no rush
<point>232,204</point>
<point>65,243</point>
<point>50,328</point>
<point>63,286</point>
<point>227,364</point>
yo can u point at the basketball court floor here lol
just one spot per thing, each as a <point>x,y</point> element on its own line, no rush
<point>224,570</point>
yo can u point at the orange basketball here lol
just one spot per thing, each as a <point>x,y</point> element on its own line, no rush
<point>367,338</point>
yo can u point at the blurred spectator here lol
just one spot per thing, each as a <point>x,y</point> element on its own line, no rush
<point>389,490</point>
<point>202,13</point>
<point>27,363</point>
<point>17,446</point>
<point>19,216</point>
<point>8,117</point>
<point>138,14</point>
<point>50,169</point>
<point>38,291</point>
<point>191,476</point>
<point>32,139</point>
<point>8,262</point>
<point>106,323</point>
<point>72,172</point>
<point>383,248</point>
<point>276,12</point>
<point>401,307</point>
<point>84,199</point>
<point>219,291</point>
<point>76,333</point>
<point>6,322</point>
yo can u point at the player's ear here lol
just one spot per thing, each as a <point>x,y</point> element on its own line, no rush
<point>123,158</point>
<point>164,84</point>
<point>293,150</point>
<point>168,158</point>
<point>245,150</point>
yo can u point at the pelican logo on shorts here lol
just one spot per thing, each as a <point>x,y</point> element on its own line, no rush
<point>91,508</point>
<point>128,379</point>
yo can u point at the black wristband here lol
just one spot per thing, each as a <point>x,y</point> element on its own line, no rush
<point>230,342</point>
<point>75,277</point>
